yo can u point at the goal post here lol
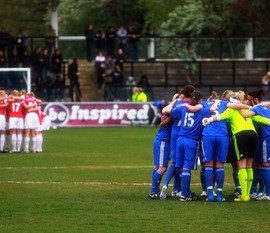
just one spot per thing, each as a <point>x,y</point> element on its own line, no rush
<point>15,78</point>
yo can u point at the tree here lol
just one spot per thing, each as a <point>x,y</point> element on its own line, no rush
<point>23,14</point>
<point>156,12</point>
<point>76,14</point>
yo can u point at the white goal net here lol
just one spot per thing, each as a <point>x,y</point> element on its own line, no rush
<point>15,78</point>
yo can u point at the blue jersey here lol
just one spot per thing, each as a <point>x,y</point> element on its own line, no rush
<point>176,124</point>
<point>217,128</point>
<point>265,112</point>
<point>191,122</point>
<point>164,132</point>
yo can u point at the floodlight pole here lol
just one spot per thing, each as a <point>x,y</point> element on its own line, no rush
<point>54,17</point>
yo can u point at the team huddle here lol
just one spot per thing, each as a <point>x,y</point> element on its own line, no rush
<point>233,128</point>
<point>23,121</point>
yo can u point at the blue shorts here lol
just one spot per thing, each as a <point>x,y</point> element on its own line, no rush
<point>215,148</point>
<point>174,138</point>
<point>173,155</point>
<point>186,153</point>
<point>200,153</point>
<point>161,153</point>
<point>265,150</point>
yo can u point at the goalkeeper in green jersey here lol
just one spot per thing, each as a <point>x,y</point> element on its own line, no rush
<point>245,141</point>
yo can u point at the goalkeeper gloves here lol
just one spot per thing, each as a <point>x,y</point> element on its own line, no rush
<point>207,121</point>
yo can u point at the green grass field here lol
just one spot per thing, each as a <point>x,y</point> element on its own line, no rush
<point>97,180</point>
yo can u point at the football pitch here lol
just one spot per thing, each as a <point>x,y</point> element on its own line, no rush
<point>98,179</point>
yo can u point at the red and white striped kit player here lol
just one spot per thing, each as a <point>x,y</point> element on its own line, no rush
<point>16,120</point>
<point>31,123</point>
<point>3,106</point>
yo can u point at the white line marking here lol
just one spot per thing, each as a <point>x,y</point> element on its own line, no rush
<point>92,183</point>
<point>74,183</point>
<point>94,167</point>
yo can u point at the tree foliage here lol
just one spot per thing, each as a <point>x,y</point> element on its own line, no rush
<point>24,14</point>
<point>181,17</point>
<point>76,14</point>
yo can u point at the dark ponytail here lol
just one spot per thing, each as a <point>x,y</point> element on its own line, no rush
<point>196,96</point>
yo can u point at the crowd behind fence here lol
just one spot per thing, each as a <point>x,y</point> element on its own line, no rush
<point>21,51</point>
<point>155,47</point>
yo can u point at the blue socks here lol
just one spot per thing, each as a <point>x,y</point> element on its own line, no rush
<point>177,181</point>
<point>185,183</point>
<point>202,177</point>
<point>169,175</point>
<point>266,179</point>
<point>256,178</point>
<point>156,178</point>
<point>209,178</point>
<point>220,183</point>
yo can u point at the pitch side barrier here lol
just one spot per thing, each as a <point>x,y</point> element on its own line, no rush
<point>102,114</point>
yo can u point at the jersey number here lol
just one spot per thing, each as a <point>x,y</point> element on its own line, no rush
<point>189,121</point>
<point>15,107</point>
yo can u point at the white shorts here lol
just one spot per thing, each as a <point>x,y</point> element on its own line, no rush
<point>15,123</point>
<point>31,121</point>
<point>45,124</point>
<point>2,122</point>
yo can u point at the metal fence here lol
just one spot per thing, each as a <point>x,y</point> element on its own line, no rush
<point>173,47</point>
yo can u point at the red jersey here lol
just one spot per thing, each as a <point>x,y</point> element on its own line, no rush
<point>30,101</point>
<point>41,116</point>
<point>15,109</point>
<point>3,109</point>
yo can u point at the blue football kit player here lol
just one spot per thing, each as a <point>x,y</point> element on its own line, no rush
<point>188,142</point>
<point>257,188</point>
<point>265,147</point>
<point>215,144</point>
<point>183,97</point>
<point>161,153</point>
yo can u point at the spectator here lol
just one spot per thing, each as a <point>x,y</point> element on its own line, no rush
<point>100,40</point>
<point>122,37</point>
<point>21,45</point>
<point>26,59</point>
<point>108,87</point>
<point>89,37</point>
<point>36,65</point>
<point>190,65</point>
<point>109,64</point>
<point>2,59</point>
<point>113,82</point>
<point>100,62</point>
<point>146,86</point>
<point>118,77</point>
<point>2,40</point>
<point>265,81</point>
<point>50,38</point>
<point>133,37</point>
<point>120,58</point>
<point>73,74</point>
<point>117,81</point>
<point>138,95</point>
<point>14,59</point>
<point>58,80</point>
<point>10,43</point>
<point>130,83</point>
<point>110,41</point>
<point>45,75</point>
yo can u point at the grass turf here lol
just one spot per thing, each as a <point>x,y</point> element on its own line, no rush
<point>96,180</point>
